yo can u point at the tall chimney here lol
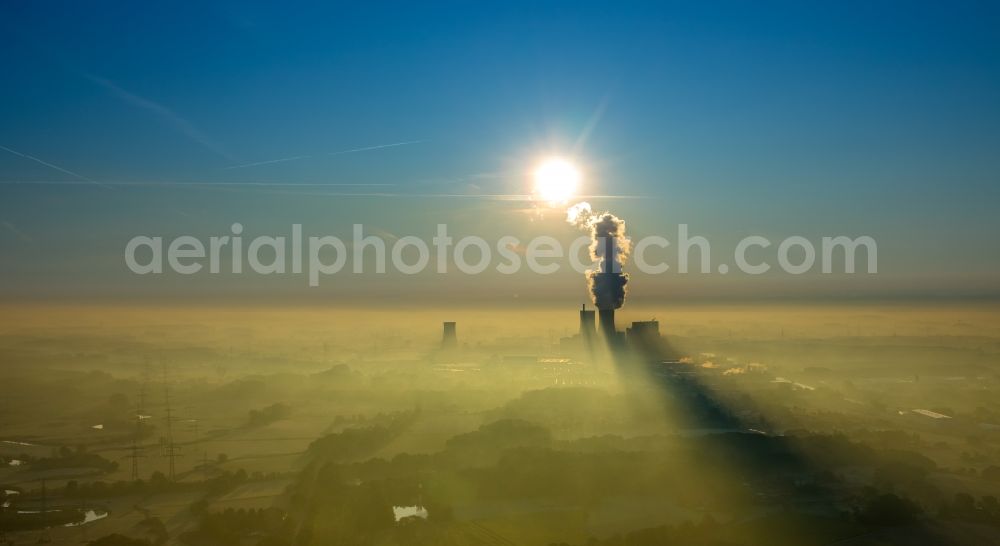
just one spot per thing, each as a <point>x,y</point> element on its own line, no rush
<point>607,315</point>
<point>449,340</point>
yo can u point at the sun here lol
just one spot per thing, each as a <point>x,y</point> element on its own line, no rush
<point>556,180</point>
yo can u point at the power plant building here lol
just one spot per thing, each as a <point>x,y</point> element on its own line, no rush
<point>643,331</point>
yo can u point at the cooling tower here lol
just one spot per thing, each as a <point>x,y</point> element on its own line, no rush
<point>607,282</point>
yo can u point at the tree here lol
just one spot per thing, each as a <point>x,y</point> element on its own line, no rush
<point>889,509</point>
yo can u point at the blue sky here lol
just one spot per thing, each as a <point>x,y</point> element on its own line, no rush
<point>735,117</point>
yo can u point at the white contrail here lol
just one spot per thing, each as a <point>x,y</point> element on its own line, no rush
<point>308,189</point>
<point>341,152</point>
<point>167,115</point>
<point>379,147</point>
<point>189,183</point>
<point>293,158</point>
<point>402,195</point>
<point>20,234</point>
<point>56,167</point>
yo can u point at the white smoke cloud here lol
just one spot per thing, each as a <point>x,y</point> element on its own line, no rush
<point>607,288</point>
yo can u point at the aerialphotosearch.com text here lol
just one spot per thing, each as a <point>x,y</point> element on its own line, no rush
<point>318,256</point>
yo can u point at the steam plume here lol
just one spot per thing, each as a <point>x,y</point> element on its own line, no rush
<point>607,283</point>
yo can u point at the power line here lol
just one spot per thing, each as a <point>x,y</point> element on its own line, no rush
<point>171,448</point>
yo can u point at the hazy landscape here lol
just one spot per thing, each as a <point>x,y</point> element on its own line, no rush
<point>778,424</point>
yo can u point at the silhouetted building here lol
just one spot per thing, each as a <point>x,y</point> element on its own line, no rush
<point>644,338</point>
<point>587,324</point>
<point>643,332</point>
<point>449,340</point>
